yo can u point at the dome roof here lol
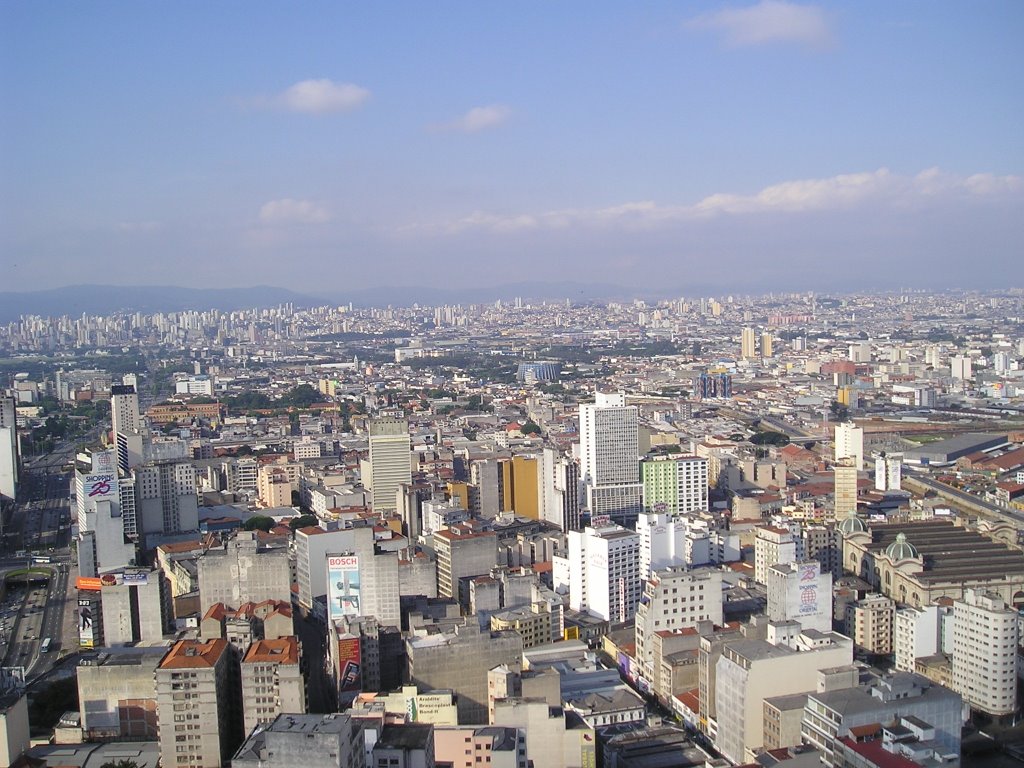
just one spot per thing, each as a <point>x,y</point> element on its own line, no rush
<point>850,525</point>
<point>901,549</point>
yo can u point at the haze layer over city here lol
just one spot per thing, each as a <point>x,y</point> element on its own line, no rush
<point>536,386</point>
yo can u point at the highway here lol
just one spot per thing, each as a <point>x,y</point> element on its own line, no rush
<point>38,535</point>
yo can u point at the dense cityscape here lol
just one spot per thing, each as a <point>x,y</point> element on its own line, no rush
<point>702,532</point>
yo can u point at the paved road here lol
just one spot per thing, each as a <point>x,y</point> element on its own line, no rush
<point>41,527</point>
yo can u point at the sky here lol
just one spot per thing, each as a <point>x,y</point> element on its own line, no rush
<point>685,148</point>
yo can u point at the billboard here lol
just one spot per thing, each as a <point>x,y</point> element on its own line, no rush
<point>130,578</point>
<point>100,486</point>
<point>88,608</point>
<point>343,586</point>
<point>350,676</point>
<point>809,589</point>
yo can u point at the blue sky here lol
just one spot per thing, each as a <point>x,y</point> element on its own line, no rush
<point>325,147</point>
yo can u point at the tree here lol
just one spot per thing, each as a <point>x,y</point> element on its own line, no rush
<point>302,521</point>
<point>260,522</point>
<point>529,428</point>
<point>120,764</point>
<point>769,438</point>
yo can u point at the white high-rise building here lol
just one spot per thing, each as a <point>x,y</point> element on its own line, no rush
<point>601,570</point>
<point>8,448</point>
<point>165,498</point>
<point>984,663</point>
<point>673,599</point>
<point>559,490</point>
<point>102,546</point>
<point>849,442</point>
<point>667,540</point>
<point>888,471</point>
<point>748,344</point>
<point>915,633</point>
<point>960,367</point>
<point>124,409</point>
<point>774,546</point>
<point>610,457</point>
<point>390,462</point>
<point>800,592</point>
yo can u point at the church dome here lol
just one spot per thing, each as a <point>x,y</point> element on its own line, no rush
<point>901,549</point>
<point>850,525</point>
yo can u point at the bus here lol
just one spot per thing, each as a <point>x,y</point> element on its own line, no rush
<point>45,647</point>
<point>40,559</point>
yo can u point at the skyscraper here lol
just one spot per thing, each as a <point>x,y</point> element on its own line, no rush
<point>124,409</point>
<point>390,465</point>
<point>748,344</point>
<point>101,535</point>
<point>8,449</point>
<point>984,663</point>
<point>610,457</point>
<point>849,440</point>
<point>845,475</point>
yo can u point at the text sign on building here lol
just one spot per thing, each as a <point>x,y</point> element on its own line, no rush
<point>343,586</point>
<point>809,589</point>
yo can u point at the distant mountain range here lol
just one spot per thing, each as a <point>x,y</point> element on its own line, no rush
<point>74,300</point>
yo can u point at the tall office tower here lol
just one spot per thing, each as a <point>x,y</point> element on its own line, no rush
<point>559,487</point>
<point>845,495</point>
<point>984,664</point>
<point>165,498</point>
<point>609,457</point>
<point>675,483</point>
<point>860,352</point>
<point>767,347</point>
<point>960,367</point>
<point>748,344</point>
<point>869,622</point>
<point>8,448</point>
<point>310,741</point>
<point>124,409</point>
<point>775,546</point>
<point>750,671</point>
<point>101,535</point>
<point>461,554</point>
<point>849,443</point>
<point>918,632</point>
<point>272,681</point>
<point>674,599</point>
<point>484,473</point>
<point>238,572</point>
<point>800,592</point>
<point>390,464</point>
<point>1002,362</point>
<point>888,471</point>
<point>457,656</point>
<point>667,540</point>
<point>602,570</point>
<point>193,695</point>
<point>519,482</point>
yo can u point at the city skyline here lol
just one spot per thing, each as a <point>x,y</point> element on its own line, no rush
<point>744,147</point>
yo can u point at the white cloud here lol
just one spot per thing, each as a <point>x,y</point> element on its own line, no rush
<point>842,192</point>
<point>288,211</point>
<point>318,97</point>
<point>479,119</point>
<point>770,21</point>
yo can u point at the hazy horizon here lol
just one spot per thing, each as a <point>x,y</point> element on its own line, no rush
<point>745,147</point>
